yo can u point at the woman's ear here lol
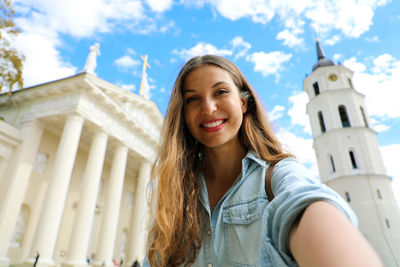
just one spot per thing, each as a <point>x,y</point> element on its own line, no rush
<point>244,104</point>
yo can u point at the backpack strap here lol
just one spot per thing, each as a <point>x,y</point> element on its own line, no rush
<point>268,177</point>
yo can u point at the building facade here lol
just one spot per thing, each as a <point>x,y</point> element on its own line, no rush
<point>348,155</point>
<point>75,159</point>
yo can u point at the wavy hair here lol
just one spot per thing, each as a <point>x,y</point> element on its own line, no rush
<point>175,237</point>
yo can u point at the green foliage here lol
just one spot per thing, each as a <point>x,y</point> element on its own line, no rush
<point>10,59</point>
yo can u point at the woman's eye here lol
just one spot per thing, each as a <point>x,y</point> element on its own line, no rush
<point>222,91</point>
<point>190,99</point>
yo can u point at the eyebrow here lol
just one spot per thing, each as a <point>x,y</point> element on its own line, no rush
<point>215,85</point>
<point>218,83</point>
<point>188,91</point>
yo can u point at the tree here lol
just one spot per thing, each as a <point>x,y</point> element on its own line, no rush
<point>10,59</point>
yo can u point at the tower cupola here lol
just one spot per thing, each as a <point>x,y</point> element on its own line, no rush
<point>322,60</point>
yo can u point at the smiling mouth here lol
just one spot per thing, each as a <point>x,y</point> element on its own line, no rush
<point>213,124</point>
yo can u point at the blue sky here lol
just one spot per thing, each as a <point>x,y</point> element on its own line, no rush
<point>272,42</point>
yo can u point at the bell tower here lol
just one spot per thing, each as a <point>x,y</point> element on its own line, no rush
<point>348,155</point>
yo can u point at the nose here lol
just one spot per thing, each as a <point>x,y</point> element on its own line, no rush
<point>208,106</point>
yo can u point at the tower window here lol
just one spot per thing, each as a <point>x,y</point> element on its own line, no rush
<point>387,223</point>
<point>316,88</point>
<point>321,121</point>
<point>353,160</point>
<point>347,196</point>
<point>350,83</point>
<point>364,117</point>
<point>332,164</point>
<point>343,116</point>
<point>378,192</point>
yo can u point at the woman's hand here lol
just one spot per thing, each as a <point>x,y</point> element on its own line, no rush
<point>323,236</point>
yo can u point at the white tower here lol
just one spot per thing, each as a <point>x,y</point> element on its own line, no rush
<point>348,155</point>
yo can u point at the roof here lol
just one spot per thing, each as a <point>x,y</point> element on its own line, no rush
<point>322,60</point>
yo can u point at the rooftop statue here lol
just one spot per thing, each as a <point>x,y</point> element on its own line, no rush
<point>91,62</point>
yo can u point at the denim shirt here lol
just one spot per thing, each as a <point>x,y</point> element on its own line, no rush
<point>245,229</point>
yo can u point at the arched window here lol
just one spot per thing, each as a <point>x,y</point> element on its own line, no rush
<point>378,192</point>
<point>343,116</point>
<point>364,117</point>
<point>316,88</point>
<point>353,160</point>
<point>321,121</point>
<point>333,168</point>
<point>348,197</point>
<point>387,223</point>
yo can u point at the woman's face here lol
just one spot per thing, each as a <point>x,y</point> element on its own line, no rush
<point>213,107</point>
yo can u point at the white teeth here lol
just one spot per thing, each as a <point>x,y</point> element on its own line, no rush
<point>212,124</point>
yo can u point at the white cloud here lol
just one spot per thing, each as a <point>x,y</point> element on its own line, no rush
<point>201,49</point>
<point>378,125</point>
<point>325,16</point>
<point>374,39</point>
<point>290,38</point>
<point>81,18</point>
<point>43,21</point>
<point>269,63</point>
<point>258,10</point>
<point>43,61</point>
<point>297,111</point>
<point>379,84</point>
<point>355,66</point>
<point>294,27</point>
<point>333,40</point>
<point>301,148</point>
<point>241,46</point>
<point>276,112</point>
<point>160,5</point>
<point>336,57</point>
<point>384,63</point>
<point>126,62</point>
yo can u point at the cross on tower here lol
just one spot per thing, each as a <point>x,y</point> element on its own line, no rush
<point>144,75</point>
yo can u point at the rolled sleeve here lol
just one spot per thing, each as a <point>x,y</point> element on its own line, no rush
<point>294,191</point>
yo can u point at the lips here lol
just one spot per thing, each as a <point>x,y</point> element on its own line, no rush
<point>213,125</point>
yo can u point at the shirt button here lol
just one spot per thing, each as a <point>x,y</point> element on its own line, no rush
<point>209,233</point>
<point>209,264</point>
<point>248,217</point>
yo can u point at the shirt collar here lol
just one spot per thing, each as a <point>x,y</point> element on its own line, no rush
<point>249,158</point>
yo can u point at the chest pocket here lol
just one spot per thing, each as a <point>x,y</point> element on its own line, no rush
<point>242,227</point>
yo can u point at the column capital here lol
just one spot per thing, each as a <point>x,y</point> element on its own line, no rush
<point>121,146</point>
<point>75,117</point>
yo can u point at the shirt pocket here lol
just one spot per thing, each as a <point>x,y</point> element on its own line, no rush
<point>242,226</point>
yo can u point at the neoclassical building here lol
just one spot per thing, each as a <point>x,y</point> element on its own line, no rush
<point>75,159</point>
<point>348,155</point>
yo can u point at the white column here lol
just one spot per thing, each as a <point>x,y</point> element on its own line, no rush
<point>18,173</point>
<point>54,201</point>
<point>78,247</point>
<point>139,227</point>
<point>111,213</point>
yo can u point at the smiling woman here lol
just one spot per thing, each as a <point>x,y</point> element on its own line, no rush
<point>211,205</point>
<point>213,108</point>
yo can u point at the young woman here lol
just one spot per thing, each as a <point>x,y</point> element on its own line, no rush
<point>211,181</point>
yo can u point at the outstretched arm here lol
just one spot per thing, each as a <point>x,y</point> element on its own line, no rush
<point>323,236</point>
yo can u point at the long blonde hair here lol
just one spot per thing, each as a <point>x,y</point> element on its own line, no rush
<point>175,237</point>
